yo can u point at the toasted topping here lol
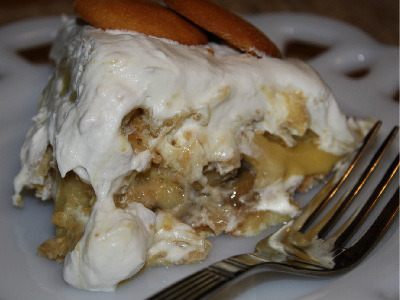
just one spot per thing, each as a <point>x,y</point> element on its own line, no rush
<point>141,16</point>
<point>226,25</point>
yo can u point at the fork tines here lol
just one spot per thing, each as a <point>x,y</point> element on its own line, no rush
<point>346,231</point>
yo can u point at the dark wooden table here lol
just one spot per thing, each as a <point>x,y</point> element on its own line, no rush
<point>379,18</point>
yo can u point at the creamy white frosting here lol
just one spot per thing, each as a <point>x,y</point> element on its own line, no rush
<point>112,249</point>
<point>174,241</point>
<point>275,196</point>
<point>104,75</point>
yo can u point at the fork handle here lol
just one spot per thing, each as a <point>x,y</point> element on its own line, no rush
<point>210,279</point>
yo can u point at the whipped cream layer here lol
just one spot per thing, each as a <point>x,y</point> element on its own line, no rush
<point>114,246</point>
<point>101,76</point>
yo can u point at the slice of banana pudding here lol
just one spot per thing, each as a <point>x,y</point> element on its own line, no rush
<point>148,146</point>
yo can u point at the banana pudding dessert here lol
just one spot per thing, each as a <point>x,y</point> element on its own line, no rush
<point>150,138</point>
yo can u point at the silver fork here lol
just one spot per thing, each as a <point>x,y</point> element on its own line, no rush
<point>301,246</point>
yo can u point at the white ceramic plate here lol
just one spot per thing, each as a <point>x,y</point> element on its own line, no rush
<point>24,275</point>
